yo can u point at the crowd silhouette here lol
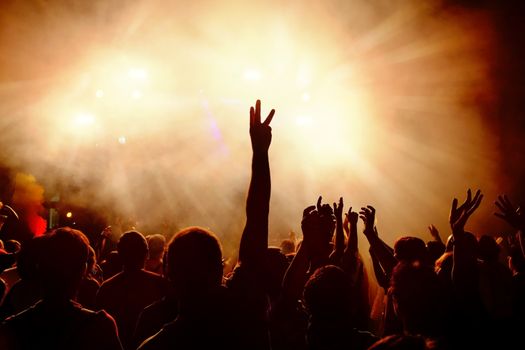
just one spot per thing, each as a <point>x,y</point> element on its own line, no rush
<point>61,291</point>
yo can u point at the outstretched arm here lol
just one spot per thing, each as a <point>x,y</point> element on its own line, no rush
<point>464,255</point>
<point>337,253</point>
<point>383,253</point>
<point>254,240</point>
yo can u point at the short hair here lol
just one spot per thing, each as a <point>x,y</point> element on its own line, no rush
<point>488,248</point>
<point>194,260</point>
<point>410,249</point>
<point>156,245</point>
<point>327,292</point>
<point>133,250</point>
<point>63,260</point>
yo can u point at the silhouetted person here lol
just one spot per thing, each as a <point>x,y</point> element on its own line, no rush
<point>156,245</point>
<point>327,296</point>
<point>26,291</point>
<point>205,306</point>
<point>87,291</point>
<point>126,294</point>
<point>57,322</point>
<point>195,268</point>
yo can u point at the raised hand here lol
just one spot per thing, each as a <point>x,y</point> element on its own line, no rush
<point>508,212</point>
<point>338,209</point>
<point>337,253</point>
<point>328,220</point>
<point>460,215</point>
<point>368,215</point>
<point>434,233</point>
<point>260,133</point>
<point>351,219</point>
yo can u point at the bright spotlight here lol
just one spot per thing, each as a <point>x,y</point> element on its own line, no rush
<point>69,215</point>
<point>252,75</point>
<point>137,74</point>
<point>136,94</point>
<point>122,140</point>
<point>306,97</point>
<point>84,119</point>
<point>99,93</point>
<point>304,120</point>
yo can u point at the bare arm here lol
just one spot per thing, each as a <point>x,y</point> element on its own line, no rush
<point>254,240</point>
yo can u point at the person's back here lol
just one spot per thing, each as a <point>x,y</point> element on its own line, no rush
<point>206,317</point>
<point>126,294</point>
<point>57,322</point>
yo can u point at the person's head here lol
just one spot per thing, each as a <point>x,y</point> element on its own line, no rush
<point>133,250</point>
<point>488,249</point>
<point>327,293</point>
<point>63,262</point>
<point>156,245</point>
<point>194,261</point>
<point>416,294</point>
<point>409,249</point>
<point>28,258</point>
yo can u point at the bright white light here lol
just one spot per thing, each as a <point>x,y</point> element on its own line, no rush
<point>304,120</point>
<point>122,140</point>
<point>136,94</point>
<point>306,97</point>
<point>138,74</point>
<point>252,75</point>
<point>84,119</point>
<point>99,93</point>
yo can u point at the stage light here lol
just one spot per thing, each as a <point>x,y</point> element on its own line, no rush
<point>252,74</point>
<point>69,215</point>
<point>306,97</point>
<point>304,120</point>
<point>136,94</point>
<point>138,74</point>
<point>84,119</point>
<point>122,140</point>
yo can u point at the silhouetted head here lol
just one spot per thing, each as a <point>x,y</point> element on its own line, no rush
<point>416,293</point>
<point>409,249</point>
<point>63,262</point>
<point>133,250</point>
<point>327,293</point>
<point>29,257</point>
<point>156,245</point>
<point>194,261</point>
<point>488,249</point>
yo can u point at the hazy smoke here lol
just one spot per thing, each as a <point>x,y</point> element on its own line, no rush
<point>140,109</point>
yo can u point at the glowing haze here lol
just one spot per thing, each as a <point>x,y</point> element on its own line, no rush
<point>141,108</point>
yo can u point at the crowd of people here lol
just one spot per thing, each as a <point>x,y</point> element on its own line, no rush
<point>61,291</point>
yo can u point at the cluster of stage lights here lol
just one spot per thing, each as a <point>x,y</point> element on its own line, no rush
<point>136,77</point>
